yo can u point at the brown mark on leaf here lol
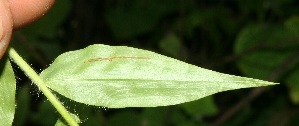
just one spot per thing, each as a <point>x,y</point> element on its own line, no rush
<point>116,57</point>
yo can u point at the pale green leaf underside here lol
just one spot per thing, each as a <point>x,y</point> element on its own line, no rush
<point>7,93</point>
<point>119,76</point>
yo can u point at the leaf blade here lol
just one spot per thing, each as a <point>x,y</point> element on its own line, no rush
<point>7,93</point>
<point>128,77</point>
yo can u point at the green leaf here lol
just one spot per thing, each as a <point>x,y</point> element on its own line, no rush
<point>121,76</point>
<point>7,93</point>
<point>265,47</point>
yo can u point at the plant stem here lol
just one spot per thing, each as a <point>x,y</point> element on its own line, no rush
<point>42,86</point>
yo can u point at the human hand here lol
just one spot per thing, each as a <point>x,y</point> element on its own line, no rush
<point>17,13</point>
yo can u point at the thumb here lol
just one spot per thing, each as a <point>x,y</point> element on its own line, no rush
<point>6,26</point>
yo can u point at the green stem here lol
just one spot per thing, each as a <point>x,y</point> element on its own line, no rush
<point>42,86</point>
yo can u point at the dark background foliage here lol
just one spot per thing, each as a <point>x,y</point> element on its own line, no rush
<point>253,38</point>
